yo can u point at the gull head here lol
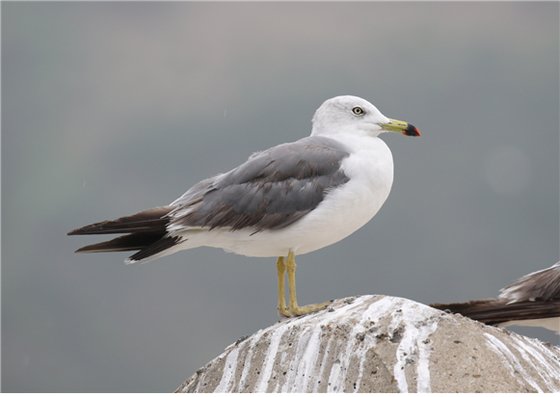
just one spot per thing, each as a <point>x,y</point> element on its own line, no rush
<point>349,114</point>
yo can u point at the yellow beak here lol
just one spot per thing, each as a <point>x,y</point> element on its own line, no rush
<point>400,126</point>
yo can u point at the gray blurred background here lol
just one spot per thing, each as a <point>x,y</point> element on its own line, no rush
<point>110,108</point>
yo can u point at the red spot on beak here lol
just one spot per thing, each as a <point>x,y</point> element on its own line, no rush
<point>411,131</point>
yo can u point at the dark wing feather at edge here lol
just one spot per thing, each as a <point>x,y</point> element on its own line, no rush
<point>534,296</point>
<point>147,221</point>
<point>146,231</point>
<point>129,242</point>
<point>496,311</point>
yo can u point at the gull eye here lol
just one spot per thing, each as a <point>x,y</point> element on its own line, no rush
<point>358,111</point>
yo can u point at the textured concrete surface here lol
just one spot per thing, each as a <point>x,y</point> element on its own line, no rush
<point>381,344</point>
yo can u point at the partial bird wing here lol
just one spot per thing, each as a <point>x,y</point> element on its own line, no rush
<point>542,285</point>
<point>271,190</point>
<point>533,300</point>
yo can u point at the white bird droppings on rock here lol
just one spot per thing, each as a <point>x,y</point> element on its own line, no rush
<point>381,344</point>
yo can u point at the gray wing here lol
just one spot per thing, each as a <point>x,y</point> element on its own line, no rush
<point>535,296</point>
<point>540,285</point>
<point>271,190</point>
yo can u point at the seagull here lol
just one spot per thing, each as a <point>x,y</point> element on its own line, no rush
<point>285,201</point>
<point>533,300</point>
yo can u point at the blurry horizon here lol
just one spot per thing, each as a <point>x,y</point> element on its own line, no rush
<point>111,108</point>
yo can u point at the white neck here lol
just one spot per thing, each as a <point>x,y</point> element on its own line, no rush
<point>332,130</point>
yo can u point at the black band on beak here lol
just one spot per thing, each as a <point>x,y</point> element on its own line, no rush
<point>411,131</point>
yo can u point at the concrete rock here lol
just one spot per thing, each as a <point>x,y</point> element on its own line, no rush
<point>381,344</point>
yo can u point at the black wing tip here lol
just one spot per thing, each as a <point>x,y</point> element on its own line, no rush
<point>129,242</point>
<point>149,247</point>
<point>154,250</point>
<point>75,232</point>
<point>498,311</point>
<point>93,248</point>
<point>95,228</point>
<point>152,220</point>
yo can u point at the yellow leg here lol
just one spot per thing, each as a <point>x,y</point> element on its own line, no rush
<point>281,269</point>
<point>293,308</point>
